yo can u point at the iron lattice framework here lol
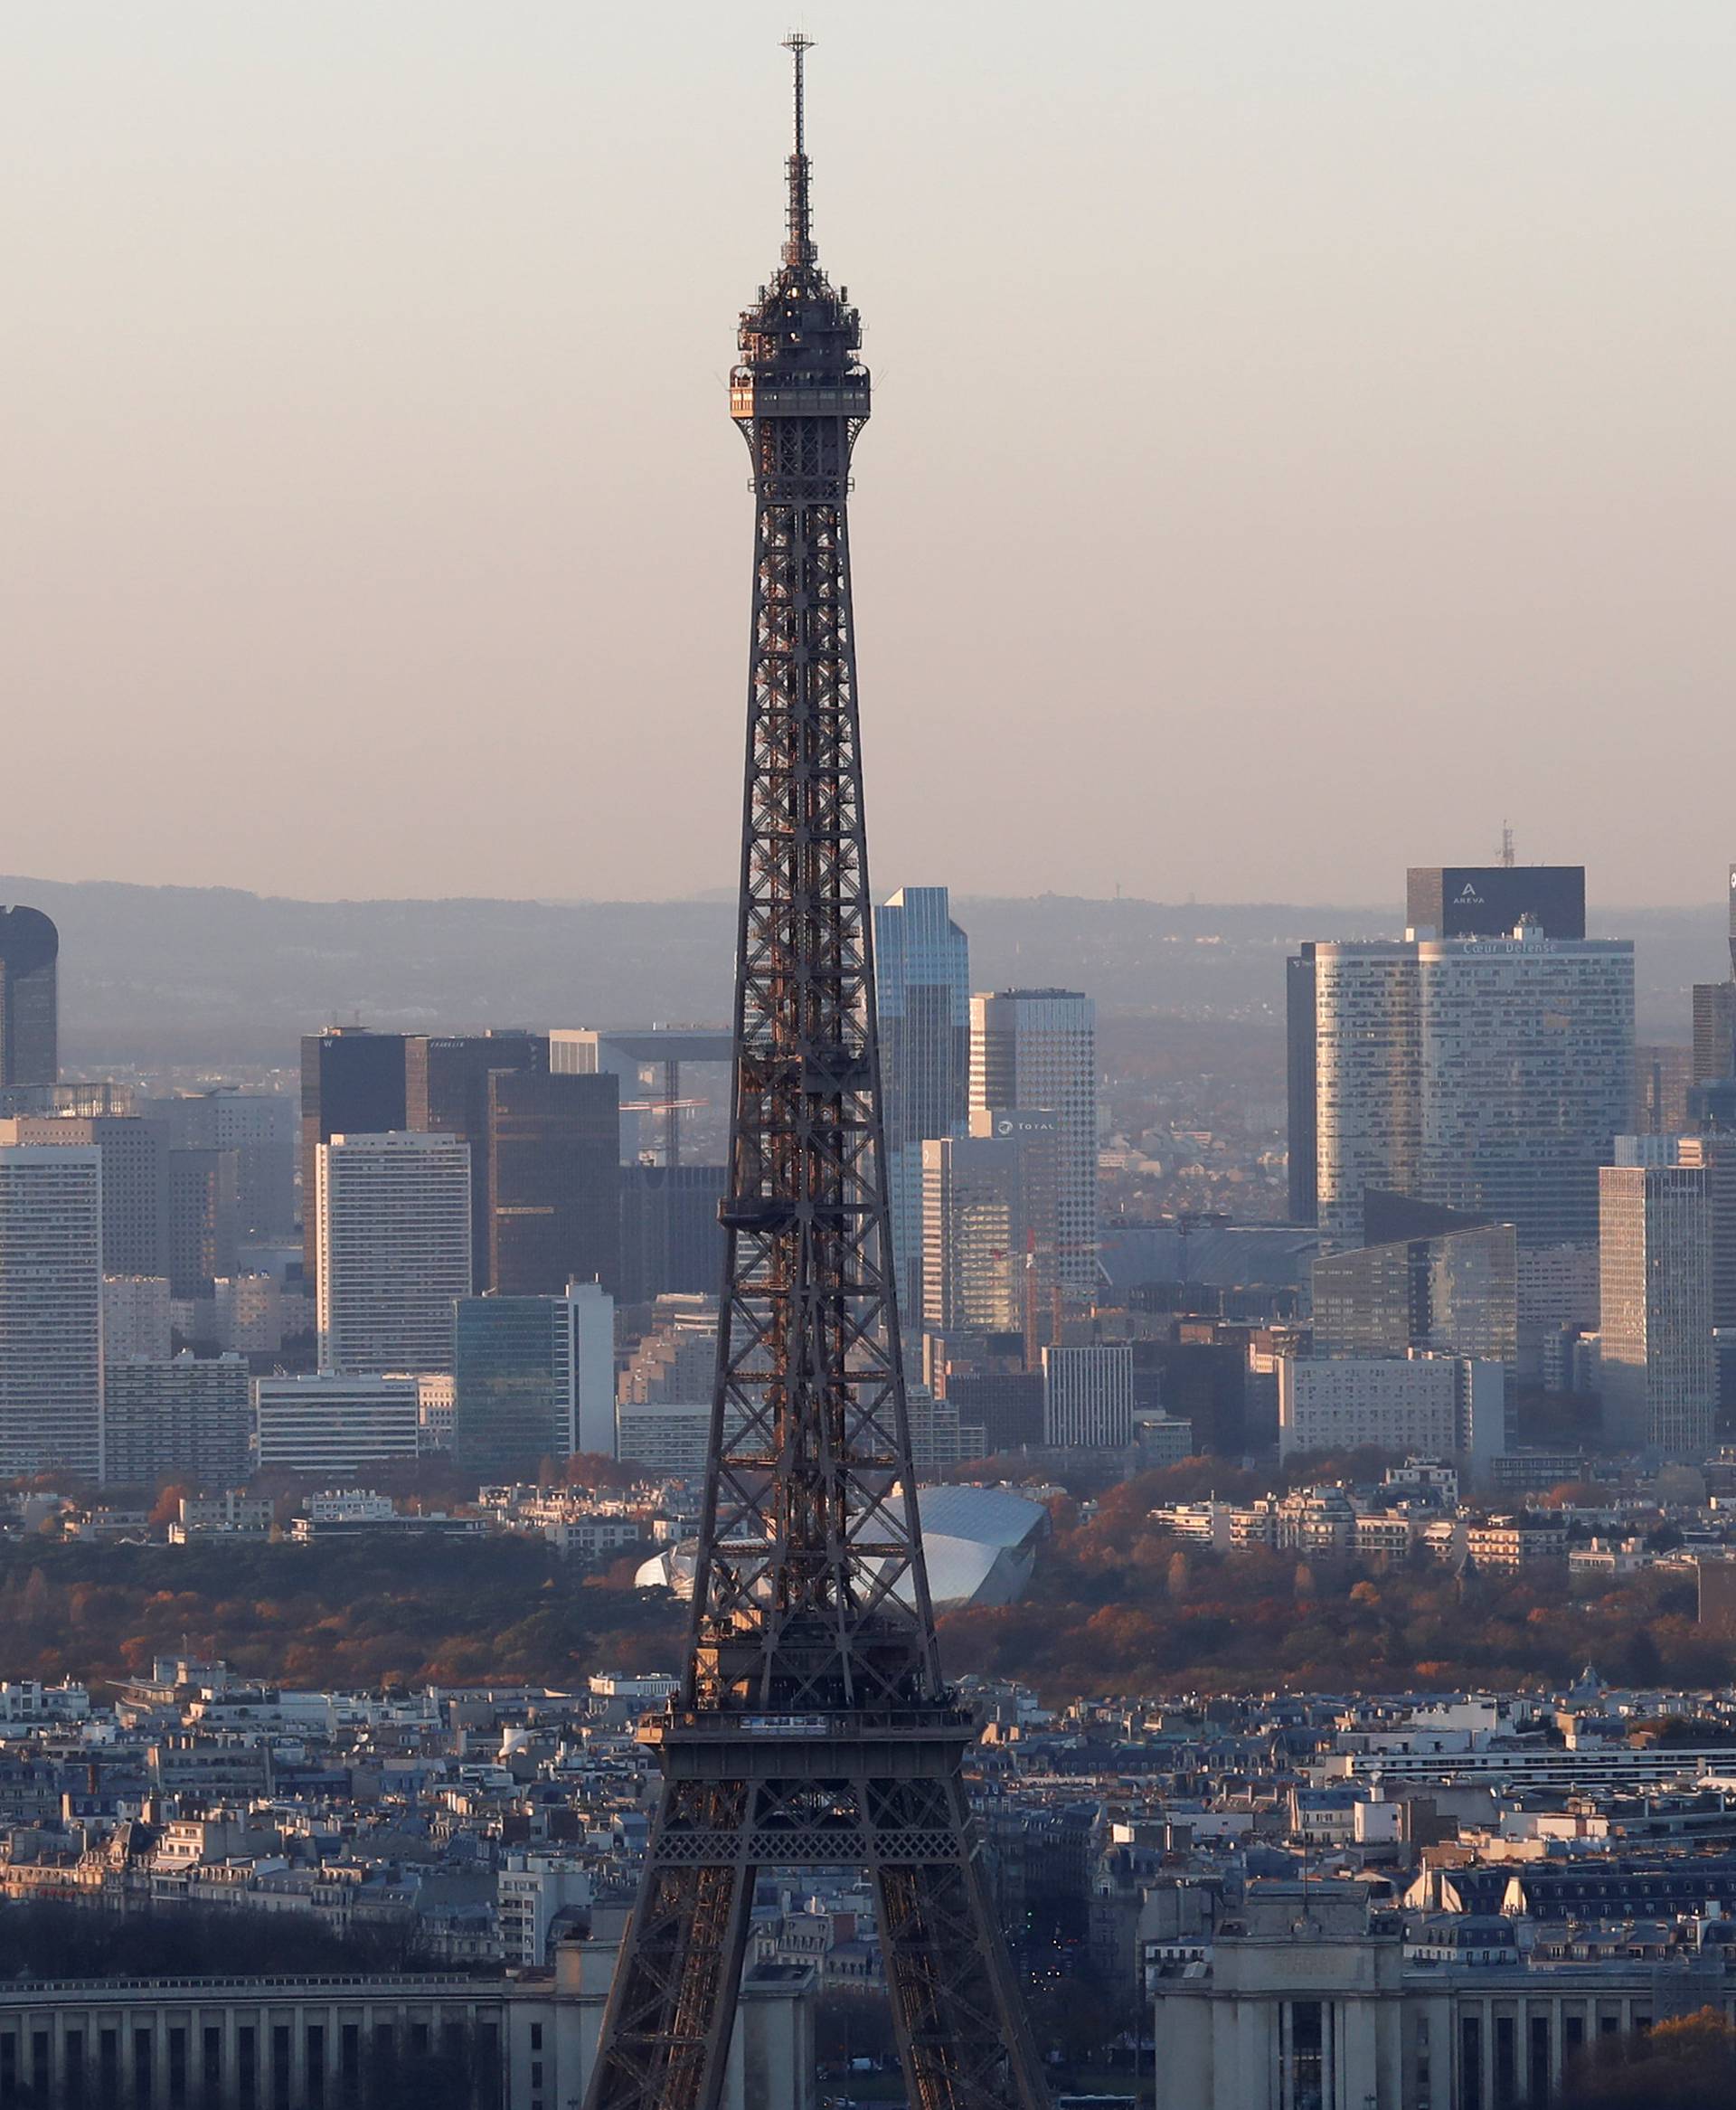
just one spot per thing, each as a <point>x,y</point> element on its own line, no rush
<point>813,1727</point>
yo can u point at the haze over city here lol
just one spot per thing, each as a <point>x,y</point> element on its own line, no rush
<point>1302,438</point>
<point>642,1467</point>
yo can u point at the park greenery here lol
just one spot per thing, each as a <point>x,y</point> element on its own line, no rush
<point>1117,1603</point>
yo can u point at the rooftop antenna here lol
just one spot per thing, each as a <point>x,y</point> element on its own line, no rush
<point>800,248</point>
<point>1506,846</point>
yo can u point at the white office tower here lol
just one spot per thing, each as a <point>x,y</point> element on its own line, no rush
<point>334,1428</point>
<point>1655,1308</point>
<point>922,998</point>
<point>51,1310</point>
<point>1429,1405</point>
<point>989,1225</point>
<point>1088,1397</point>
<point>588,1337</point>
<point>1036,1049</point>
<point>1489,1074</point>
<point>393,1232</point>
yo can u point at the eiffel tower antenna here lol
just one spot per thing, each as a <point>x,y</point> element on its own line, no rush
<point>813,1727</point>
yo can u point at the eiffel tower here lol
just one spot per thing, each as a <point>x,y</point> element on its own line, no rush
<point>812,1728</point>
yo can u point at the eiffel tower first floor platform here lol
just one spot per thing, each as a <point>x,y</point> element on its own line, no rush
<point>882,1791</point>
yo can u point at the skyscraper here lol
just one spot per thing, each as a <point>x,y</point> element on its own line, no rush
<point>1655,1308</point>
<point>393,1220</point>
<point>51,1310</point>
<point>991,1224</point>
<point>329,1427</point>
<point>1715,1151</point>
<point>1713,1051</point>
<point>1491,901</point>
<point>670,1239</point>
<point>136,1318</point>
<point>1087,1397</point>
<point>922,989</point>
<point>353,1083</point>
<point>1037,1050</point>
<point>260,1127</point>
<point>1714,1016</point>
<point>179,1415</point>
<point>204,1218</point>
<point>30,950</point>
<point>1302,1085</point>
<point>554,1178</point>
<point>1489,1074</point>
<point>534,1378</point>
<point>1441,901</point>
<point>134,1180</point>
<point>1450,1289</point>
<point>446,1093</point>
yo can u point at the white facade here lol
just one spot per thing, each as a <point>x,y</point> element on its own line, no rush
<point>1087,1397</point>
<point>437,1403</point>
<point>252,1315</point>
<point>1308,2000</point>
<point>1659,1378</point>
<point>665,1435</point>
<point>530,1889</point>
<point>50,1308</point>
<point>1489,1074</point>
<point>335,1427</point>
<point>394,1231</point>
<point>536,2033</point>
<point>588,1322</point>
<point>1036,1049</point>
<point>350,1505</point>
<point>1448,1405</point>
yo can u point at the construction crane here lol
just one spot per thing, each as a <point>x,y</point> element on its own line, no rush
<point>672,1111</point>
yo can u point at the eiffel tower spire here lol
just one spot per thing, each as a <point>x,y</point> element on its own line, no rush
<point>813,1727</point>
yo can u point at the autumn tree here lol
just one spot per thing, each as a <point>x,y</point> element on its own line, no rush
<point>1688,2064</point>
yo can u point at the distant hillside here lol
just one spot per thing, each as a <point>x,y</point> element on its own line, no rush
<point>188,975</point>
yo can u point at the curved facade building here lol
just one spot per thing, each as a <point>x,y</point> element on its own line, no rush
<point>30,1012</point>
<point>980,1543</point>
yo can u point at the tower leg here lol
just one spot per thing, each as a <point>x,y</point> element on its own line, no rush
<point>963,2036</point>
<point>665,2034</point>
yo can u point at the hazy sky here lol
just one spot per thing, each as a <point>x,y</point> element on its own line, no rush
<point>1303,437</point>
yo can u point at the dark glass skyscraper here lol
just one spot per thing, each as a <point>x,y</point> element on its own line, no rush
<point>671,1239</point>
<point>1487,900</point>
<point>204,1216</point>
<point>554,1171</point>
<point>511,1386</point>
<point>29,951</point>
<point>446,1093</point>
